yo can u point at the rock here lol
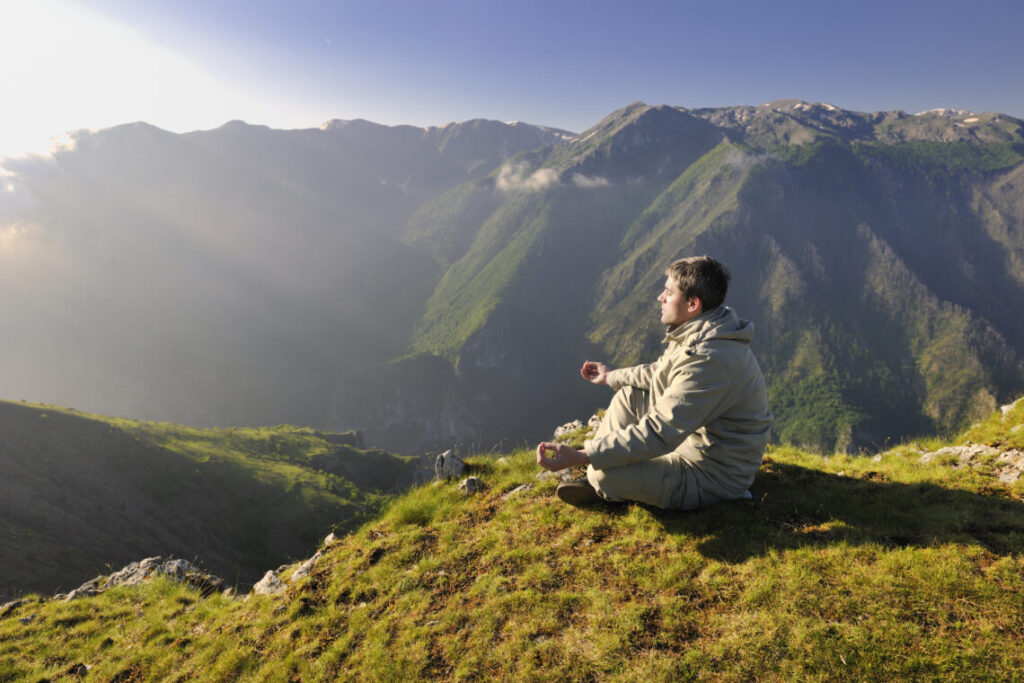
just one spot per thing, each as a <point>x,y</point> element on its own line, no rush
<point>27,620</point>
<point>304,569</point>
<point>1009,406</point>
<point>9,607</point>
<point>1011,466</point>
<point>594,421</point>
<point>968,454</point>
<point>567,429</point>
<point>330,539</point>
<point>270,584</point>
<point>471,485</point>
<point>877,458</point>
<point>561,475</point>
<point>519,489</point>
<point>144,570</point>
<point>448,465</point>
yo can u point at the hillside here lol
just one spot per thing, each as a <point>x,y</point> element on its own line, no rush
<point>83,493</point>
<point>904,565</point>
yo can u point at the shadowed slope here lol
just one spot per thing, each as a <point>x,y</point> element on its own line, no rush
<point>81,494</point>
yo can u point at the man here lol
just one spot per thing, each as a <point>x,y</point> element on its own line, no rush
<point>689,429</point>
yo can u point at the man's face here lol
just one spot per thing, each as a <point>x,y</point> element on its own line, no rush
<point>675,308</point>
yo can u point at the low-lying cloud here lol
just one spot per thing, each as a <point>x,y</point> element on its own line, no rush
<point>588,182</point>
<point>512,176</point>
<point>743,161</point>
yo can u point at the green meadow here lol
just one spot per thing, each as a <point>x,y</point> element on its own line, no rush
<point>841,568</point>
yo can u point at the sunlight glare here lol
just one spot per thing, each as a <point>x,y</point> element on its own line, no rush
<point>67,68</point>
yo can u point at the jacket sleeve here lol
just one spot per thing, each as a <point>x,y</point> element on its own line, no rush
<point>698,391</point>
<point>638,376</point>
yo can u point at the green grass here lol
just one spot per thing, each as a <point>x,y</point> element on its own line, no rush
<point>841,567</point>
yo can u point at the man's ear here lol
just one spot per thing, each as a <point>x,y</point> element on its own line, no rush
<point>694,305</point>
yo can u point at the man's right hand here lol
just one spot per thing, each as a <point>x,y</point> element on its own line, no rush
<point>595,372</point>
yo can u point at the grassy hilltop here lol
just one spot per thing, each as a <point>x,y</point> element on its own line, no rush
<point>841,567</point>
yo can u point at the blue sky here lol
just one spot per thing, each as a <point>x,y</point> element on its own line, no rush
<point>186,64</point>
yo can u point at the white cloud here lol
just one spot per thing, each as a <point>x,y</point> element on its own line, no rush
<point>588,182</point>
<point>742,161</point>
<point>512,176</point>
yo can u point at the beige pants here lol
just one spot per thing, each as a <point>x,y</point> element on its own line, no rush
<point>666,482</point>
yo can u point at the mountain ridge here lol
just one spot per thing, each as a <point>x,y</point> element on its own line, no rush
<point>386,278</point>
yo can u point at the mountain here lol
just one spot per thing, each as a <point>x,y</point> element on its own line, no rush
<point>81,493</point>
<point>893,567</point>
<point>223,277</point>
<point>443,285</point>
<point>879,255</point>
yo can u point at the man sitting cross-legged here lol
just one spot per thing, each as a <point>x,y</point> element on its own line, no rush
<point>690,428</point>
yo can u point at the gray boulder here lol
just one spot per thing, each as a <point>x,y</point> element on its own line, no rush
<point>270,584</point>
<point>448,465</point>
<point>471,485</point>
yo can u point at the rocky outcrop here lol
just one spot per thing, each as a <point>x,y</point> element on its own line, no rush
<point>1006,465</point>
<point>577,429</point>
<point>145,570</point>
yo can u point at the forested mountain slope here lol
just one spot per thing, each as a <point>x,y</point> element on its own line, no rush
<point>880,256</point>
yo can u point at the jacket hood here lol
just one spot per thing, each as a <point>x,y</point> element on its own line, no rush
<point>718,323</point>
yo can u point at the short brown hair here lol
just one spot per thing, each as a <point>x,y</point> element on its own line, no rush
<point>702,277</point>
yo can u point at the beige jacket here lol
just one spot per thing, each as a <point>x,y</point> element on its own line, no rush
<point>706,401</point>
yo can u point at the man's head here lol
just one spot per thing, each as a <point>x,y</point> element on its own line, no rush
<point>693,285</point>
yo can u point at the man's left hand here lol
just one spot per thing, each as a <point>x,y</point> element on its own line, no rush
<point>563,457</point>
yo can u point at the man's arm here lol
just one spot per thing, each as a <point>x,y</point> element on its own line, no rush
<point>598,373</point>
<point>693,398</point>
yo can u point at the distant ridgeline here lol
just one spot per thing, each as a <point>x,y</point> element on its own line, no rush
<point>444,284</point>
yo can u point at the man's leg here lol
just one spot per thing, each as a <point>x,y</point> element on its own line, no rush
<point>628,404</point>
<point>665,482</point>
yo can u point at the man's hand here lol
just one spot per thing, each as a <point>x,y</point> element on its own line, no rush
<point>563,457</point>
<point>595,372</point>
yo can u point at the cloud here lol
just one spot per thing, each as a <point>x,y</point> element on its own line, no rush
<point>743,161</point>
<point>588,182</point>
<point>512,176</point>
